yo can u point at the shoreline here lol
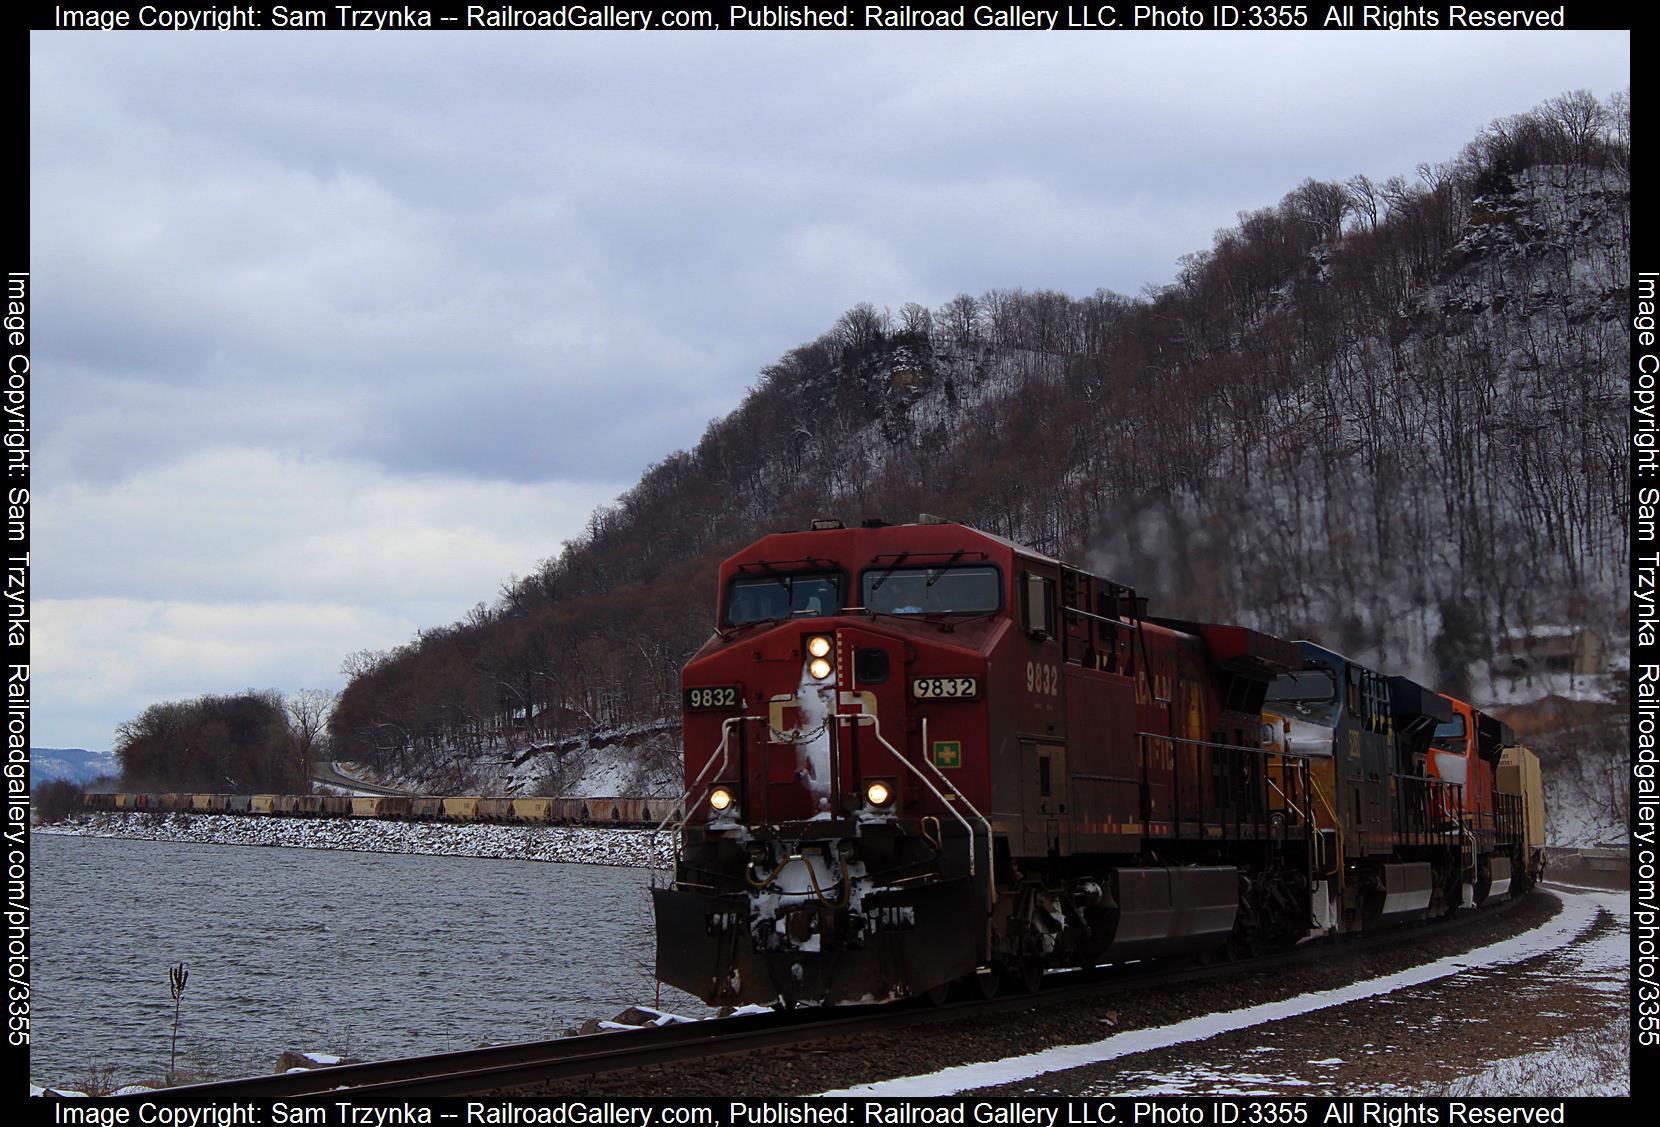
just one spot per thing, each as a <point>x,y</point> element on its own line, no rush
<point>573,845</point>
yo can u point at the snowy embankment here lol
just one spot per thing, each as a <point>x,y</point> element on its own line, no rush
<point>570,844</point>
<point>1597,1063</point>
<point>1558,1072</point>
<point>641,759</point>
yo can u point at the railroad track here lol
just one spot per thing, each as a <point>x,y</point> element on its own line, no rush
<point>494,1068</point>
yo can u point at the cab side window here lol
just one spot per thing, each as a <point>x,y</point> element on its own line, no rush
<point>1037,605</point>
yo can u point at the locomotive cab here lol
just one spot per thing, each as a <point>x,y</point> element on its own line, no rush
<point>835,847</point>
<point>1383,855</point>
<point>1467,750</point>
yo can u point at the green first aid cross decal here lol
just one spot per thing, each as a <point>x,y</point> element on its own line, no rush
<point>948,753</point>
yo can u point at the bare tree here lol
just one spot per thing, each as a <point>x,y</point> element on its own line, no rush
<point>308,714</point>
<point>1580,118</point>
<point>915,321</point>
<point>1319,205</point>
<point>360,662</point>
<point>962,319</point>
<point>861,327</point>
<point>1365,200</point>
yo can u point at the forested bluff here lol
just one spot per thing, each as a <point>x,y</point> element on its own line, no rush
<point>1387,416</point>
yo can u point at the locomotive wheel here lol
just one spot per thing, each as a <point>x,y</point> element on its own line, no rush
<point>1030,973</point>
<point>938,995</point>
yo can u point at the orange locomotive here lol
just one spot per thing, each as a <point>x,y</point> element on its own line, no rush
<point>1467,750</point>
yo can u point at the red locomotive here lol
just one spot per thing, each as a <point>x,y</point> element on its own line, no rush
<point>922,755</point>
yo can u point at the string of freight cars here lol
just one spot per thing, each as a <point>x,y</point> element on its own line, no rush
<point>575,811</point>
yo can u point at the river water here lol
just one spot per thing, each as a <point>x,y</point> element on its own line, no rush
<point>371,955</point>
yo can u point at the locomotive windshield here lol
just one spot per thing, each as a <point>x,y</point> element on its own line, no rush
<point>1311,692</point>
<point>782,596</point>
<point>933,590</point>
<point>1451,734</point>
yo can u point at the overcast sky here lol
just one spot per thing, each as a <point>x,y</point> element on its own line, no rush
<point>335,332</point>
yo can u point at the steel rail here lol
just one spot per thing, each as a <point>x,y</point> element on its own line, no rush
<point>494,1068</point>
<point>580,1055</point>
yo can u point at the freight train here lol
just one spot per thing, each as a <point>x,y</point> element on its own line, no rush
<point>578,811</point>
<point>922,758</point>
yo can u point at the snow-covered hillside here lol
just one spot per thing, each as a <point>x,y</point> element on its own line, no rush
<point>73,763</point>
<point>638,760</point>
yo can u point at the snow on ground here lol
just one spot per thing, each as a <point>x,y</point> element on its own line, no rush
<point>571,844</point>
<point>1597,1063</point>
<point>1580,912</point>
<point>635,759</point>
<point>1584,805</point>
<point>602,775</point>
<point>1573,823</point>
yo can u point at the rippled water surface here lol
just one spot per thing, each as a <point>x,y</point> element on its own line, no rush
<point>375,955</point>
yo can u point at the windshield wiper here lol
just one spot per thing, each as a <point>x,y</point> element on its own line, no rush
<point>891,568</point>
<point>939,571</point>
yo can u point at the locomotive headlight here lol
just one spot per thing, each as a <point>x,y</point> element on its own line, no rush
<point>819,645</point>
<point>819,667</point>
<point>720,799</point>
<point>878,793</point>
